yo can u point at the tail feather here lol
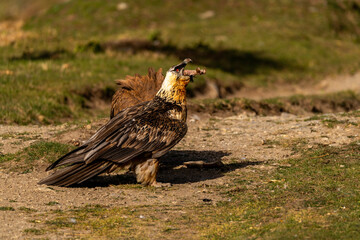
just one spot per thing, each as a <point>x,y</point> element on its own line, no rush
<point>70,158</point>
<point>77,173</point>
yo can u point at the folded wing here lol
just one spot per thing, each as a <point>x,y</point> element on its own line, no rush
<point>139,132</point>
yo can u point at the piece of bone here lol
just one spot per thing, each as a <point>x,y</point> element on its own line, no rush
<point>202,164</point>
<point>198,71</point>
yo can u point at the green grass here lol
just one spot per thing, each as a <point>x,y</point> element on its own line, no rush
<point>314,196</point>
<point>331,121</point>
<point>39,151</point>
<point>33,231</point>
<point>27,210</point>
<point>352,114</point>
<point>53,203</point>
<point>5,208</point>
<point>50,77</point>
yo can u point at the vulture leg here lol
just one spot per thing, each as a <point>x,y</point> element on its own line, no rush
<point>146,173</point>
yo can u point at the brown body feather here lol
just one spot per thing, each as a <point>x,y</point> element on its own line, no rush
<point>137,134</point>
<point>136,89</point>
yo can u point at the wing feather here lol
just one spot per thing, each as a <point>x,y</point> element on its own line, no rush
<point>140,137</point>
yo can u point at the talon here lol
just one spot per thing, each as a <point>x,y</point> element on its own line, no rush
<point>159,184</point>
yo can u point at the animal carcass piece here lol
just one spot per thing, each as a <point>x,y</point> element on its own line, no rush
<point>135,137</point>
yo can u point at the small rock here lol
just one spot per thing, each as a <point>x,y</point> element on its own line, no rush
<point>40,118</point>
<point>194,118</point>
<point>44,66</point>
<point>75,142</point>
<point>72,220</point>
<point>65,66</point>
<point>141,216</point>
<point>207,14</point>
<point>122,6</point>
<point>221,38</point>
<point>45,189</point>
<point>88,127</point>
<point>6,72</point>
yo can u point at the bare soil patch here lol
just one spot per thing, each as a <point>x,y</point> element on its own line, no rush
<point>11,31</point>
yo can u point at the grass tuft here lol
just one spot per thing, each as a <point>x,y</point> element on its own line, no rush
<point>4,208</point>
<point>39,151</point>
<point>34,231</point>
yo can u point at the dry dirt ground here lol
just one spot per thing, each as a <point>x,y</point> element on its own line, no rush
<point>245,144</point>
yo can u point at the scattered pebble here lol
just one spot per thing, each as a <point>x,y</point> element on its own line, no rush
<point>40,118</point>
<point>207,14</point>
<point>64,66</point>
<point>194,118</point>
<point>122,6</point>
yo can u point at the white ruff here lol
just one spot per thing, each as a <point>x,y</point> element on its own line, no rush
<point>168,83</point>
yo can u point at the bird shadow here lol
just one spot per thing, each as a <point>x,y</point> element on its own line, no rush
<point>172,169</point>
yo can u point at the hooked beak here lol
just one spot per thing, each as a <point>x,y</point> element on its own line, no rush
<point>180,67</point>
<point>190,73</point>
